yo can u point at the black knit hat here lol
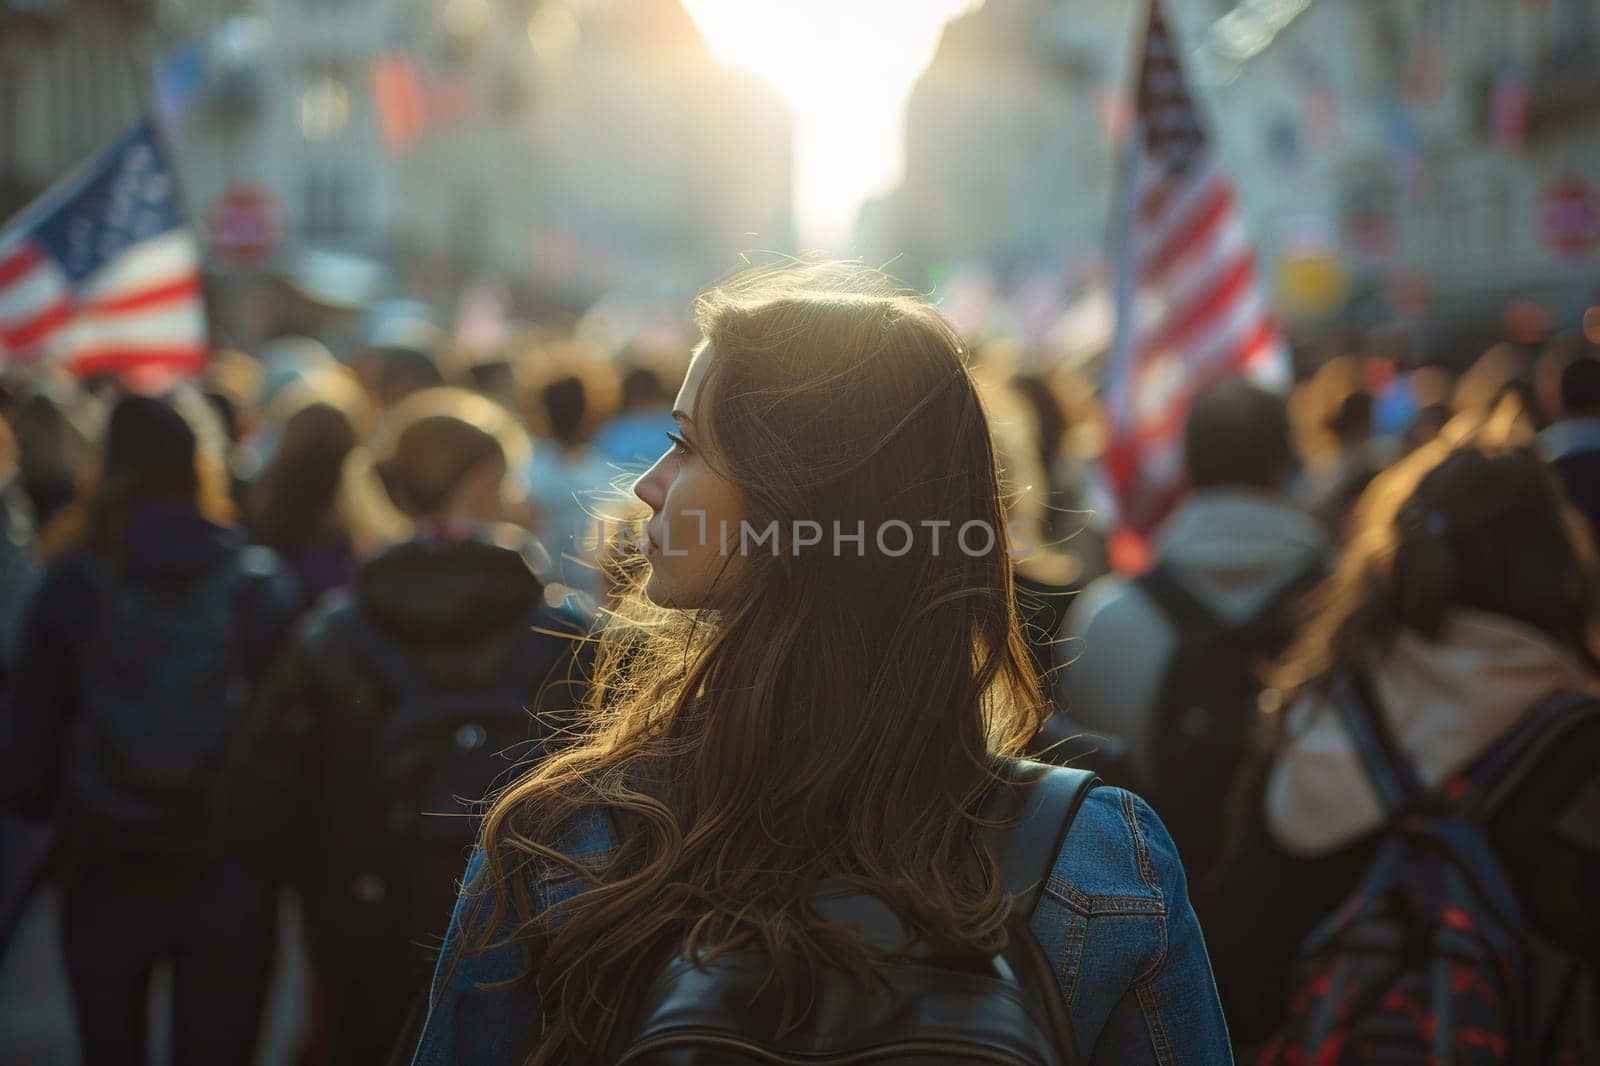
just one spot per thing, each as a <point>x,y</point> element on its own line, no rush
<point>148,437</point>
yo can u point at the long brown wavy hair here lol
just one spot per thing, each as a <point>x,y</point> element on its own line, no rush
<point>1471,519</point>
<point>294,503</point>
<point>834,716</point>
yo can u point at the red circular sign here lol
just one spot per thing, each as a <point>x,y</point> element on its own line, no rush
<point>1569,216</point>
<point>245,225</point>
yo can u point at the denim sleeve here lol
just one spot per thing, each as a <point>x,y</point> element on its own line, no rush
<point>468,1025</point>
<point>1170,1015</point>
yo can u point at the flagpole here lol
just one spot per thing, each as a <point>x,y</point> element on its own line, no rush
<point>1122,250</point>
<point>143,79</point>
<point>160,138</point>
<point>1115,386</point>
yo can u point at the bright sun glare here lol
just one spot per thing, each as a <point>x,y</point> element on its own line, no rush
<point>846,68</point>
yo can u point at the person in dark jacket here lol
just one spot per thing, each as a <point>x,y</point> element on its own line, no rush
<point>441,672</point>
<point>127,688</point>
<point>1466,602</point>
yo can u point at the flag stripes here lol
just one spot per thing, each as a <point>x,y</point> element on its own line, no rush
<point>1190,307</point>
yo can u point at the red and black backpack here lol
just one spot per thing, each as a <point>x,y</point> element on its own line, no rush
<point>1429,961</point>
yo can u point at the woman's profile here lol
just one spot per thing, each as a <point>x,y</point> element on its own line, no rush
<point>812,678</point>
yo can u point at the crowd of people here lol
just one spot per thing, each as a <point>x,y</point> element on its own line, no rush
<point>446,652</point>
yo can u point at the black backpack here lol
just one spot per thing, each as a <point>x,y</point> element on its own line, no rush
<point>1208,706</point>
<point>1006,1010</point>
<point>440,752</point>
<point>162,693</point>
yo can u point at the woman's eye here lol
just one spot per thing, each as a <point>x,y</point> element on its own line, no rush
<point>679,445</point>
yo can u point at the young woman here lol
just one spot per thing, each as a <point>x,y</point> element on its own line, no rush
<point>1466,600</point>
<point>293,508</point>
<point>138,652</point>
<point>769,715</point>
<point>399,697</point>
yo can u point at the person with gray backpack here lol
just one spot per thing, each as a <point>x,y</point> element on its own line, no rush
<point>139,656</point>
<point>1166,661</point>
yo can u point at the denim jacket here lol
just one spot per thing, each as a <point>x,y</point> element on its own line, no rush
<point>1114,919</point>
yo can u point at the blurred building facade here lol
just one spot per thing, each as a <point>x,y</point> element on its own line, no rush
<point>1007,161</point>
<point>575,145</point>
<point>1463,117</point>
<point>609,150</point>
<point>1397,154</point>
<point>581,146</point>
<point>72,75</point>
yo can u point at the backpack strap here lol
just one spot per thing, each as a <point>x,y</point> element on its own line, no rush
<point>1051,796</point>
<point>1026,852</point>
<point>1489,783</point>
<point>533,653</point>
<point>1189,614</point>
<point>1275,609</point>
<point>535,650</point>
<point>381,655</point>
<point>1507,766</point>
<point>1391,773</point>
<point>1181,607</point>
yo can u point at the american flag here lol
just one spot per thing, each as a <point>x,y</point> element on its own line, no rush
<point>1189,310</point>
<point>102,274</point>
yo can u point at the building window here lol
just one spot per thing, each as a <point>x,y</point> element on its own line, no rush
<point>1572,25</point>
<point>325,108</point>
<point>327,205</point>
<point>324,99</point>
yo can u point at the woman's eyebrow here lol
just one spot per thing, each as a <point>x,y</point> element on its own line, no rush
<point>683,416</point>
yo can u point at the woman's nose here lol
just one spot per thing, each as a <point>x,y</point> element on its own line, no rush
<point>649,488</point>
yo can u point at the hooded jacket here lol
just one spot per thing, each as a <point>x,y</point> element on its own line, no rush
<point>1234,550</point>
<point>165,548</point>
<point>46,772</point>
<point>1312,823</point>
<point>1447,702</point>
<point>455,604</point>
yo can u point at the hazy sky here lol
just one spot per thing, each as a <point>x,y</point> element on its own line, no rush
<point>846,67</point>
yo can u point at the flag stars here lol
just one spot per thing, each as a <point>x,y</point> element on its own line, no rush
<point>108,277</point>
<point>80,244</point>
